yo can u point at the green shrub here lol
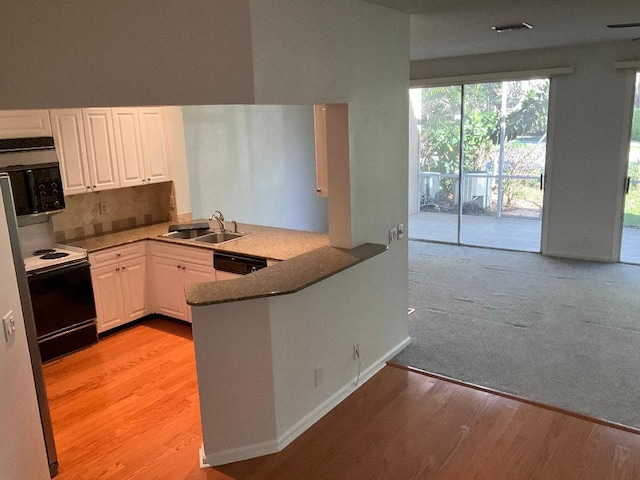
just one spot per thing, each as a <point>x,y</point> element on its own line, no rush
<point>635,127</point>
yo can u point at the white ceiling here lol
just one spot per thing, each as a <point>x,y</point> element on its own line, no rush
<point>448,28</point>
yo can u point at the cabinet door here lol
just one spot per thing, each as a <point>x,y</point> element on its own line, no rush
<point>24,123</point>
<point>127,142</point>
<point>195,274</point>
<point>68,134</point>
<point>103,167</point>
<point>168,279</point>
<point>154,144</point>
<point>107,290</point>
<point>220,275</point>
<point>133,278</point>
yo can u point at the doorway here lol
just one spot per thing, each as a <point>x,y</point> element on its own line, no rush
<point>481,156</point>
<point>630,248</point>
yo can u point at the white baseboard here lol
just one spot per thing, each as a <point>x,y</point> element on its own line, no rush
<point>237,454</point>
<point>572,256</point>
<point>274,446</point>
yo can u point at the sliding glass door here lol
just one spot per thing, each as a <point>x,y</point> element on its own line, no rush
<point>630,250</point>
<point>482,156</point>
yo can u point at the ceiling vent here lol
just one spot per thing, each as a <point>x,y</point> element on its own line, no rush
<point>512,27</point>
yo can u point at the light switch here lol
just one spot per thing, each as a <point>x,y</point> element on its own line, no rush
<point>9,324</point>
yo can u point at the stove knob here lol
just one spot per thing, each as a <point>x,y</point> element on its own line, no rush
<point>43,193</point>
<point>54,185</point>
<point>54,191</point>
<point>56,204</point>
<point>41,186</point>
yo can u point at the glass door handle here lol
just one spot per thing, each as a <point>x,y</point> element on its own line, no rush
<point>627,182</point>
<point>543,180</point>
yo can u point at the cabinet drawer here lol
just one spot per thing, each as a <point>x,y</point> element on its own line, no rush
<point>200,256</point>
<point>117,254</point>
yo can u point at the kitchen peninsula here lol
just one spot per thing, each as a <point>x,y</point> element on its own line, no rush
<point>269,369</point>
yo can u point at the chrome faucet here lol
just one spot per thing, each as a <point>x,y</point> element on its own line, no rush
<point>219,218</point>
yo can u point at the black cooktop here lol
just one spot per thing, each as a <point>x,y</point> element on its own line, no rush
<point>49,254</point>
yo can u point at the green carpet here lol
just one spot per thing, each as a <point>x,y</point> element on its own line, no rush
<point>562,332</point>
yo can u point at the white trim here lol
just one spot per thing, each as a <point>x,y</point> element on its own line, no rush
<point>627,64</point>
<point>238,454</point>
<point>490,77</point>
<point>325,407</point>
<point>274,446</point>
<point>573,256</point>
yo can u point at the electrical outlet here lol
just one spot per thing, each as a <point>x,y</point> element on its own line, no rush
<point>356,350</point>
<point>393,234</point>
<point>103,208</point>
<point>400,231</point>
<point>319,376</point>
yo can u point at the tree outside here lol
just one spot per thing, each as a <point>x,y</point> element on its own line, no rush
<point>524,105</point>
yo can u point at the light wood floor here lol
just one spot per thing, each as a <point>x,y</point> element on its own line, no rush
<point>127,408</point>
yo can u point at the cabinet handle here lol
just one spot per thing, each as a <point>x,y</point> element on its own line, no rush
<point>178,267</point>
<point>117,269</point>
<point>123,267</point>
<point>88,187</point>
<point>184,268</point>
<point>148,180</point>
<point>118,254</point>
<point>94,187</point>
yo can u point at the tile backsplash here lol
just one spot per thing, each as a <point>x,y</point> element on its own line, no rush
<point>89,214</point>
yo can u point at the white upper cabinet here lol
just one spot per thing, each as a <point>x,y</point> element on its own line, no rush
<point>155,151</point>
<point>101,151</point>
<point>68,134</point>
<point>128,146</point>
<point>105,148</point>
<point>24,123</point>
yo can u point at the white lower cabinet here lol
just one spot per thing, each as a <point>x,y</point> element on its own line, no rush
<point>119,285</point>
<point>174,267</point>
<point>147,277</point>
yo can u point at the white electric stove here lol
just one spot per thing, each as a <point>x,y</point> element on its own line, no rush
<point>51,256</point>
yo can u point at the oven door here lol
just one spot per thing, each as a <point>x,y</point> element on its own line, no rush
<point>63,308</point>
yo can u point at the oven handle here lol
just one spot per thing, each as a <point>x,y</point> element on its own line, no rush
<point>75,265</point>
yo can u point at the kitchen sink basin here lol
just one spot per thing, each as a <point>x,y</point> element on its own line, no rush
<point>218,237</point>
<point>188,234</point>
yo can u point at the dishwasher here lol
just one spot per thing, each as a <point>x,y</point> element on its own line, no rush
<point>237,264</point>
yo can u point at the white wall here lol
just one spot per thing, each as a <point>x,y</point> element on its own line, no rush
<point>345,52</point>
<point>256,164</point>
<point>588,140</point>
<point>94,53</point>
<point>337,51</point>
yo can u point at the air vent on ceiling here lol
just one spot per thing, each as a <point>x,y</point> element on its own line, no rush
<point>512,27</point>
<point>623,25</point>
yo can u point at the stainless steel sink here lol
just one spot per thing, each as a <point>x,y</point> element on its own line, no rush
<point>188,234</point>
<point>218,237</point>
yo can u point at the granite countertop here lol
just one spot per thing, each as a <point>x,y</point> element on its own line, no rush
<point>267,242</point>
<point>309,259</point>
<point>283,278</point>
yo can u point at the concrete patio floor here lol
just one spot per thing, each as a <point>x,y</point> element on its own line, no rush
<point>503,233</point>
